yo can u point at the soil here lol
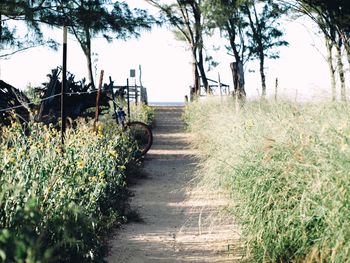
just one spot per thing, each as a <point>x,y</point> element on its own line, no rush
<point>179,222</point>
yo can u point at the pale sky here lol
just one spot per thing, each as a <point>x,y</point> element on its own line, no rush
<point>166,68</point>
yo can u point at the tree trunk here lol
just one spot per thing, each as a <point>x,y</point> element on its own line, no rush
<point>347,49</point>
<point>195,74</point>
<point>346,41</point>
<point>0,31</point>
<point>341,71</point>
<point>87,51</point>
<point>329,46</point>
<point>262,74</point>
<point>89,66</point>
<point>236,75</point>
<point>202,71</point>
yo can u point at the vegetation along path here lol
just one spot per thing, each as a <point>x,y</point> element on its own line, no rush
<point>177,219</point>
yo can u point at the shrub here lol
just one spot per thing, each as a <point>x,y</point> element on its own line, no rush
<point>142,112</point>
<point>55,202</point>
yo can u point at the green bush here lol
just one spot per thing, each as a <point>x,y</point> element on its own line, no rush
<point>56,202</point>
<point>142,112</point>
<point>286,167</point>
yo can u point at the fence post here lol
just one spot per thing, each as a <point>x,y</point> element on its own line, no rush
<point>276,89</point>
<point>219,84</point>
<point>98,99</point>
<point>64,84</point>
<point>136,93</point>
<point>128,97</point>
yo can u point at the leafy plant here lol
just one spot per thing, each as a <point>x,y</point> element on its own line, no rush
<point>55,202</point>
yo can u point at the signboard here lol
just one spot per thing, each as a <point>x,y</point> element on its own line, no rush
<point>132,73</point>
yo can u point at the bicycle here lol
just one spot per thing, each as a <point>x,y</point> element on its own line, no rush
<point>138,131</point>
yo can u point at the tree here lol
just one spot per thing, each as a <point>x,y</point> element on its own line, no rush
<point>21,11</point>
<point>333,19</point>
<point>264,34</point>
<point>187,19</point>
<point>251,27</point>
<point>226,15</point>
<point>89,19</point>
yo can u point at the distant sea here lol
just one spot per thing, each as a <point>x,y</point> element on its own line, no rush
<point>174,104</point>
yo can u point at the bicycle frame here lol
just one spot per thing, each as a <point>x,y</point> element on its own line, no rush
<point>120,114</point>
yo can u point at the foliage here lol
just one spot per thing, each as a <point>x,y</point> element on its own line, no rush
<point>142,112</point>
<point>21,11</point>
<point>32,93</point>
<point>186,18</point>
<point>55,203</point>
<point>286,167</point>
<point>339,10</point>
<point>332,18</point>
<point>89,19</point>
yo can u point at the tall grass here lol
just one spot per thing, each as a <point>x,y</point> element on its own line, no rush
<point>287,168</point>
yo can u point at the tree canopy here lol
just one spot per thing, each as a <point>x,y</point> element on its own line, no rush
<point>85,20</point>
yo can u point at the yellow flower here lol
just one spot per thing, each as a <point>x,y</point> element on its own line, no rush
<point>249,124</point>
<point>92,179</point>
<point>9,160</point>
<point>101,174</point>
<point>100,129</point>
<point>113,153</point>
<point>80,164</point>
<point>15,124</point>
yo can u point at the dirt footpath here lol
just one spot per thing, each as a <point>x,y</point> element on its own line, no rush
<point>179,222</point>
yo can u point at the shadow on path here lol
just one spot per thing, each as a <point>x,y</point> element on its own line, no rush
<point>174,228</point>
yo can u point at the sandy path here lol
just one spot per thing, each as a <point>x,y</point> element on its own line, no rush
<point>178,223</point>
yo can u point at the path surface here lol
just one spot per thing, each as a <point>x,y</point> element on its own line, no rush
<point>178,223</point>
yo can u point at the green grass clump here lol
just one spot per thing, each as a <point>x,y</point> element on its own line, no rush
<point>142,112</point>
<point>56,203</point>
<point>287,168</point>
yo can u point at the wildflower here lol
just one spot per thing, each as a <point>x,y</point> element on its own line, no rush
<point>249,124</point>
<point>80,164</point>
<point>62,193</point>
<point>101,174</point>
<point>92,179</point>
<point>113,153</point>
<point>9,160</point>
<point>100,129</point>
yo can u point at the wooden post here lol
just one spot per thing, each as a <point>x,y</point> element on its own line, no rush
<point>136,94</point>
<point>64,84</point>
<point>98,99</point>
<point>276,88</point>
<point>128,97</point>
<point>219,83</point>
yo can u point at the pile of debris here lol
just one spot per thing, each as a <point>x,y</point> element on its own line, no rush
<point>15,106</point>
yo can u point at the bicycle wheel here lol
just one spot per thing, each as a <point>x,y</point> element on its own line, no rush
<point>141,134</point>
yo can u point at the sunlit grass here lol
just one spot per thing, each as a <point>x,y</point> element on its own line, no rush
<point>286,166</point>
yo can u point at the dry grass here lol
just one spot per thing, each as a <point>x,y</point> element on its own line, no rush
<point>286,167</point>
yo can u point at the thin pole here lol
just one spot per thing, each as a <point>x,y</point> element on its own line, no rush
<point>276,88</point>
<point>219,82</point>
<point>136,93</point>
<point>128,97</point>
<point>64,84</point>
<point>98,99</point>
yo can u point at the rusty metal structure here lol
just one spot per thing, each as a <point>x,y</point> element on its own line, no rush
<point>79,97</point>
<point>15,106</point>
